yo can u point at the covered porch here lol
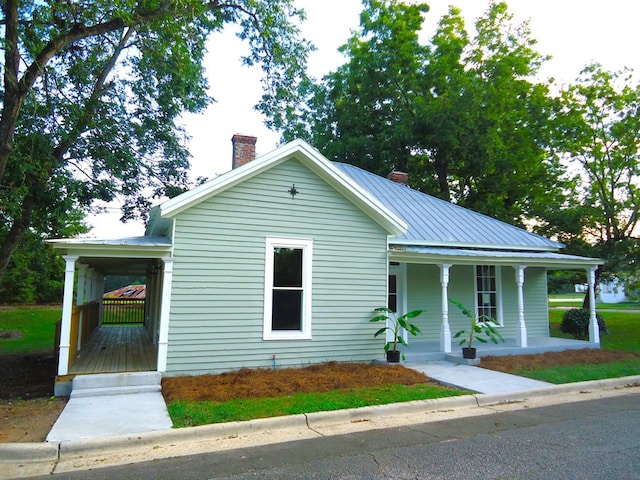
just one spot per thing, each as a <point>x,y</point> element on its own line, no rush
<point>85,345</point>
<point>509,286</point>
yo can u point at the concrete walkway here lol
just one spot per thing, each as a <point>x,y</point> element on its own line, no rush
<point>106,405</point>
<point>475,379</point>
<point>123,408</point>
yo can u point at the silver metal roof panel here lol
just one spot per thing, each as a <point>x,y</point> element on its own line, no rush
<point>433,221</point>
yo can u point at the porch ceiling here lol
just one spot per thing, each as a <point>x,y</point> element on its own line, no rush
<point>413,254</point>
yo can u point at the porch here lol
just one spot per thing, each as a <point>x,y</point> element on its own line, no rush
<point>431,351</point>
<point>114,349</point>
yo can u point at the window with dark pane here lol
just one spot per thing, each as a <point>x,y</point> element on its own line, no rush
<point>287,289</point>
<point>393,293</point>
<point>486,288</point>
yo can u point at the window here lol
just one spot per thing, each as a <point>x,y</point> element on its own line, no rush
<point>488,301</point>
<point>287,297</point>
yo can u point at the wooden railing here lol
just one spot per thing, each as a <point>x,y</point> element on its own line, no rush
<point>118,311</point>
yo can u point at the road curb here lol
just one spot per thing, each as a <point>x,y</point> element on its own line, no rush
<point>488,399</point>
<point>28,452</point>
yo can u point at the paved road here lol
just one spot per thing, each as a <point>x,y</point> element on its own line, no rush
<point>596,439</point>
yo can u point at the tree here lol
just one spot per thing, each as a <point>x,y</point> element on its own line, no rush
<point>599,138</point>
<point>362,113</point>
<point>460,114</point>
<point>92,91</point>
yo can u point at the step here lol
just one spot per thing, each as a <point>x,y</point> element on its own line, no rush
<point>104,391</point>
<point>115,380</point>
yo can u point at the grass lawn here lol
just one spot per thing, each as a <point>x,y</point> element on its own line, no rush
<point>624,335</point>
<point>191,413</point>
<point>32,329</point>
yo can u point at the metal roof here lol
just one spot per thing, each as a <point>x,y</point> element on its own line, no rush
<point>433,221</point>
<point>495,257</point>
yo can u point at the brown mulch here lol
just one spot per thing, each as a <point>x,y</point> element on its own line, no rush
<point>246,383</point>
<point>27,376</point>
<point>513,363</point>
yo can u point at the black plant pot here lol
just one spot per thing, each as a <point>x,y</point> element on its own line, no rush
<point>469,353</point>
<point>393,356</point>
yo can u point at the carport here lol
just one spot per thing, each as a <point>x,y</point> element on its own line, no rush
<point>84,345</point>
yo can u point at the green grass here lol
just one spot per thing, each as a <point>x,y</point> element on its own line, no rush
<point>194,413</point>
<point>624,330</point>
<point>581,373</point>
<point>37,325</point>
<point>574,300</point>
<point>624,334</point>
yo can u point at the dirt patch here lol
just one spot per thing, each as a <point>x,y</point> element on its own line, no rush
<point>28,420</point>
<point>246,383</point>
<point>27,376</point>
<point>10,334</point>
<point>513,363</point>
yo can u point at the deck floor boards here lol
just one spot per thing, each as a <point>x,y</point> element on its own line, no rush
<point>114,349</point>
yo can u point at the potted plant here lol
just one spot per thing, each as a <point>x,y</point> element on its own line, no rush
<point>481,326</point>
<point>395,324</point>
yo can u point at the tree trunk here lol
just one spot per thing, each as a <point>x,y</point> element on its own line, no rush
<point>19,227</point>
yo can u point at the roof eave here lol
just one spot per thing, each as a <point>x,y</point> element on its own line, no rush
<point>488,246</point>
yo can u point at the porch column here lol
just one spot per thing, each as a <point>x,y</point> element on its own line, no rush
<point>445,331</point>
<point>594,329</point>
<point>521,335</point>
<point>163,339</point>
<point>67,306</point>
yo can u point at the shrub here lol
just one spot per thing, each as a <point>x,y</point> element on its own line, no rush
<point>575,322</point>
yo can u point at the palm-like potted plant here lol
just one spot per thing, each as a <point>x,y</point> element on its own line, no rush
<point>395,324</point>
<point>481,326</point>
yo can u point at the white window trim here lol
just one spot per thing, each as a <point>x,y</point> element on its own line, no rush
<point>307,259</point>
<point>498,270</point>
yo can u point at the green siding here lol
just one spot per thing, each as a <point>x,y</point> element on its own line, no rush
<point>424,291</point>
<point>216,318</point>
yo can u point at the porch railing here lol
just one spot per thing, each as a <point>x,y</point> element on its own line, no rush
<point>118,311</point>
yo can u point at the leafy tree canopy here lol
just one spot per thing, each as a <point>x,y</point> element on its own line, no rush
<point>92,91</point>
<point>459,113</point>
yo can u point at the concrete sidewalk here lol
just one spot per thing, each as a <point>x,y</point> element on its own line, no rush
<point>475,379</point>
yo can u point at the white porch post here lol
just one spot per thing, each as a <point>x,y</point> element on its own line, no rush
<point>163,340</point>
<point>67,306</point>
<point>521,336</point>
<point>594,329</point>
<point>445,331</point>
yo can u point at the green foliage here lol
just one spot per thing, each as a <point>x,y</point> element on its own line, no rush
<point>37,326</point>
<point>395,325</point>
<point>460,114</point>
<point>583,373</point>
<point>187,414</point>
<point>93,93</point>
<point>575,322</point>
<point>480,327</point>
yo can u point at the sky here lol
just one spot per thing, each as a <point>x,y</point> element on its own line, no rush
<point>574,32</point>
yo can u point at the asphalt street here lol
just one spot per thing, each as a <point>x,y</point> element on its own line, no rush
<point>595,439</point>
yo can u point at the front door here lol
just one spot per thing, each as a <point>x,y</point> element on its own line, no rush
<point>396,300</point>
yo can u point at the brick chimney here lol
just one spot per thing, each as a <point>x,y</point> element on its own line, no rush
<point>399,177</point>
<point>244,149</point>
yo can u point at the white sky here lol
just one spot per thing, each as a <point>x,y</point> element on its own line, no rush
<point>573,32</point>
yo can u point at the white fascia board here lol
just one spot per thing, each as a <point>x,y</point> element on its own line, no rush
<point>488,246</point>
<point>308,156</point>
<point>88,248</point>
<point>566,262</point>
<point>325,169</point>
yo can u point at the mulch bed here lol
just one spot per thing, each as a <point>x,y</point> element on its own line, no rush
<point>588,356</point>
<point>257,383</point>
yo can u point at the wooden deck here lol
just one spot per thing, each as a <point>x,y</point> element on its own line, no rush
<point>114,349</point>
